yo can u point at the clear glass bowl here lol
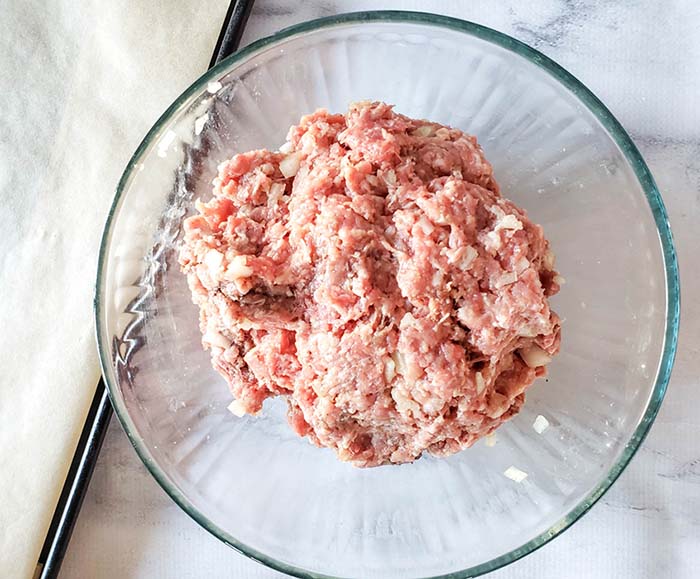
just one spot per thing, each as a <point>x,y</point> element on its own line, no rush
<point>556,150</point>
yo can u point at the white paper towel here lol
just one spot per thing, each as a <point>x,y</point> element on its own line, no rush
<point>81,83</point>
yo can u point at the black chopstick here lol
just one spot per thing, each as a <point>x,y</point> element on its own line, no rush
<point>76,484</point>
<point>100,412</point>
<point>231,33</point>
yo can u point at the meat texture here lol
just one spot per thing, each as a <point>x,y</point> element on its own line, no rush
<point>371,273</point>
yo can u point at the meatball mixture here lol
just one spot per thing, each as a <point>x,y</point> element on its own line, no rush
<point>371,273</point>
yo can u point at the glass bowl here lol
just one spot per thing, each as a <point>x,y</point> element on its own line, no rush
<point>557,151</point>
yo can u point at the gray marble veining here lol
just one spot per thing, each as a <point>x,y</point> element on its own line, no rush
<point>642,58</point>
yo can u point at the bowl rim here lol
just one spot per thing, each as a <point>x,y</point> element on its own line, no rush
<point>592,103</point>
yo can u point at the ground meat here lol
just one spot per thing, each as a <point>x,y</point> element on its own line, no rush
<point>371,273</point>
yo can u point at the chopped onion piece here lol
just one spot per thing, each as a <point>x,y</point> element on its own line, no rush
<point>549,259</point>
<point>521,265</point>
<point>165,142</point>
<point>215,338</point>
<point>534,356</point>
<point>238,268</point>
<point>492,242</point>
<point>528,332</point>
<point>286,148</point>
<point>541,424</point>
<point>470,254</point>
<point>506,278</point>
<point>480,383</point>
<point>275,194</point>
<point>403,402</point>
<point>214,87</point>
<point>509,222</point>
<point>200,122</point>
<point>213,260</point>
<point>443,133</point>
<point>426,226</point>
<point>246,324</point>
<point>499,410</point>
<point>490,440</point>
<point>399,362</point>
<point>515,474</point>
<point>236,408</point>
<point>424,131</point>
<point>290,165</point>
<point>389,369</point>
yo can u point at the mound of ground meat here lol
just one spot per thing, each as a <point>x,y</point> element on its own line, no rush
<point>371,274</point>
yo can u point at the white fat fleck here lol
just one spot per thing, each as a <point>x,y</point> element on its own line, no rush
<point>515,474</point>
<point>541,424</point>
<point>214,87</point>
<point>199,123</point>
<point>165,143</point>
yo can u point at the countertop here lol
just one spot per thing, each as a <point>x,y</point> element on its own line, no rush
<point>642,59</point>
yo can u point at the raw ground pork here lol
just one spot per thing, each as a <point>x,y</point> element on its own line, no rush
<point>371,273</point>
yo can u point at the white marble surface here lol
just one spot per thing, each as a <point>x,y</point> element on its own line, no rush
<point>642,58</point>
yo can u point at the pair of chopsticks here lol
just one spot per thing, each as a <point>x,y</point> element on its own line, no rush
<point>100,412</point>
